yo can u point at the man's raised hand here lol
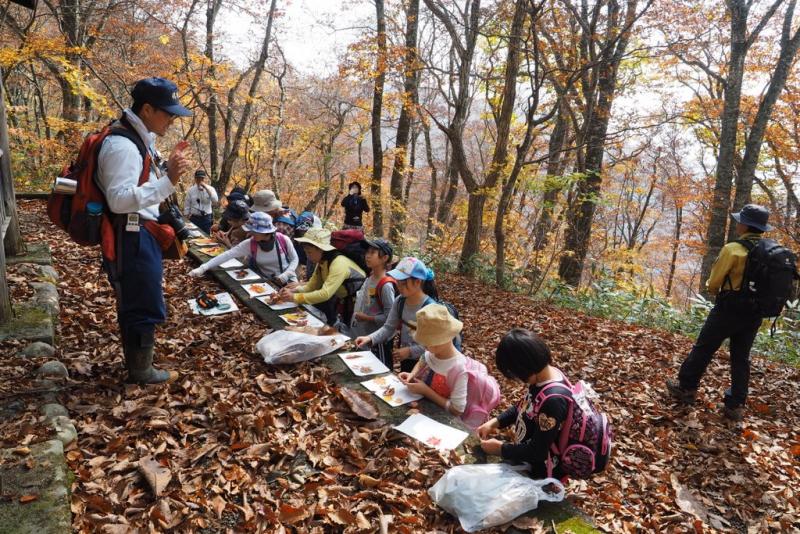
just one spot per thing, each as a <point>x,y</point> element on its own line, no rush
<point>178,162</point>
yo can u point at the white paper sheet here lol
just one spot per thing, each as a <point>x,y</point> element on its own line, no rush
<point>391,390</point>
<point>196,233</point>
<point>258,290</point>
<point>231,264</point>
<point>432,433</point>
<point>363,363</point>
<point>244,275</point>
<point>292,319</point>
<point>279,306</point>
<point>222,298</point>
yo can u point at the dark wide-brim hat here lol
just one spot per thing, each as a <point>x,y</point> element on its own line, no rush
<point>358,185</point>
<point>754,216</point>
<point>159,93</point>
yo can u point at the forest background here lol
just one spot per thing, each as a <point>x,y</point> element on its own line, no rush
<point>583,151</point>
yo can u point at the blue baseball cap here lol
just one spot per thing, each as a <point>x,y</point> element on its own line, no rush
<point>411,267</point>
<point>286,219</point>
<point>159,93</point>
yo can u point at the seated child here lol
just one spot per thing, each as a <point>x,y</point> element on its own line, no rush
<point>268,253</point>
<point>417,289</point>
<point>236,214</point>
<point>375,297</point>
<point>522,355</point>
<point>456,383</point>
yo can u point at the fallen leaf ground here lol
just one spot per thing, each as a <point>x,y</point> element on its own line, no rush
<point>250,447</point>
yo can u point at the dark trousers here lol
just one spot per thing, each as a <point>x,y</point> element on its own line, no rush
<point>384,353</point>
<point>203,222</point>
<point>136,278</point>
<point>721,324</point>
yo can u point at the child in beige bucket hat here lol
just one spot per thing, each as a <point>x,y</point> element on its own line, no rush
<point>456,383</point>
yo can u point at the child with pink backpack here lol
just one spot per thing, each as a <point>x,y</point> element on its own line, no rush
<point>557,429</point>
<point>456,383</point>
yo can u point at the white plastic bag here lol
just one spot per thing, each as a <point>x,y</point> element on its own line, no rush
<point>284,346</point>
<point>487,495</point>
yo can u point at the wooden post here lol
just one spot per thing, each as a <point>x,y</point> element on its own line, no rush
<point>12,239</point>
<point>5,298</point>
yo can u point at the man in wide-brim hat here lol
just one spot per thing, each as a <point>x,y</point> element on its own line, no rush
<point>726,320</point>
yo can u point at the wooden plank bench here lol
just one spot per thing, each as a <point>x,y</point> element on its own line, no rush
<point>563,516</point>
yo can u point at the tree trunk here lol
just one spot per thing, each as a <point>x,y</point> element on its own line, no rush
<point>213,103</point>
<point>676,242</point>
<point>746,174</point>
<point>376,185</point>
<point>720,205</point>
<point>581,210</point>
<point>407,113</point>
<point>412,165</point>
<point>500,155</point>
<point>233,154</point>
<point>555,157</point>
<point>426,130</point>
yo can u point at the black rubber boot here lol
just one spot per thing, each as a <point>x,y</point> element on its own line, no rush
<point>139,363</point>
<point>680,394</point>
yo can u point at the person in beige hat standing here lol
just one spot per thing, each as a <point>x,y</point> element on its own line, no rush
<point>267,202</point>
<point>442,374</point>
<point>335,281</point>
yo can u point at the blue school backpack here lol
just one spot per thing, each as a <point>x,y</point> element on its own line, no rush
<point>430,300</point>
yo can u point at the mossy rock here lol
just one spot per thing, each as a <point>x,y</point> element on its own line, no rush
<point>38,253</point>
<point>47,483</point>
<point>29,322</point>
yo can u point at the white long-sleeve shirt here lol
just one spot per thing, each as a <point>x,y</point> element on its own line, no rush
<point>119,166</point>
<point>267,261</point>
<point>199,200</point>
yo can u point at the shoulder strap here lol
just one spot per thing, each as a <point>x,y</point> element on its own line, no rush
<point>281,239</point>
<point>122,127</point>
<point>749,244</point>
<point>379,287</point>
<point>401,304</point>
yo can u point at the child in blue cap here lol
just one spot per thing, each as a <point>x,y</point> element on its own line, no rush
<point>417,289</point>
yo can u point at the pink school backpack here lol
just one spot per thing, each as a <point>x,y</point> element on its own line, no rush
<point>483,393</point>
<point>585,441</point>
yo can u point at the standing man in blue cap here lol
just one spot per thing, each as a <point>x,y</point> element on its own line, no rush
<point>137,273</point>
<point>726,320</point>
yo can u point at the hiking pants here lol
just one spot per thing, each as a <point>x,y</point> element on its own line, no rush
<point>136,277</point>
<point>722,324</point>
<point>203,222</point>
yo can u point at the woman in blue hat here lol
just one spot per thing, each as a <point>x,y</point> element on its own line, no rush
<point>269,253</point>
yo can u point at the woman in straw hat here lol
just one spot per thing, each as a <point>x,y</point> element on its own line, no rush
<point>336,278</point>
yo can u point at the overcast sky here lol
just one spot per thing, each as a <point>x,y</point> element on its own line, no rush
<point>312,33</point>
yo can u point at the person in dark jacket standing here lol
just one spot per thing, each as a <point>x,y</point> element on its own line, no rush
<point>726,320</point>
<point>354,207</point>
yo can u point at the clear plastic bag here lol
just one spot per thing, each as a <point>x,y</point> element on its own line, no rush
<point>284,346</point>
<point>487,495</point>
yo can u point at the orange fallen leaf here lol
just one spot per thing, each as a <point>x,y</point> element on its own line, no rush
<point>28,498</point>
<point>292,514</point>
<point>308,395</point>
